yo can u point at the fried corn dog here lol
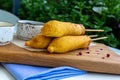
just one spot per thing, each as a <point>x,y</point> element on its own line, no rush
<point>39,41</point>
<point>68,43</point>
<point>56,28</point>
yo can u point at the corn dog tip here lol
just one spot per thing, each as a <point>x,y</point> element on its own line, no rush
<point>51,49</point>
<point>27,43</point>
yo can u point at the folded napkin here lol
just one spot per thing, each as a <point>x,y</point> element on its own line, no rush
<point>25,72</point>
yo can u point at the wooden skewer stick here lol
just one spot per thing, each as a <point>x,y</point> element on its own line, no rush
<point>95,39</point>
<point>93,36</point>
<point>94,30</point>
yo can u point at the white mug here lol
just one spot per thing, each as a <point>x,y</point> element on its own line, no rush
<point>6,33</point>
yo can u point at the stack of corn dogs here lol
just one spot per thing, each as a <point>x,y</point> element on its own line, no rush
<point>61,37</point>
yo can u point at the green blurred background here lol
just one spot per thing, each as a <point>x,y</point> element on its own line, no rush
<point>93,14</point>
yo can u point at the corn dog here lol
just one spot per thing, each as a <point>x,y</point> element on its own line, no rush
<point>68,43</point>
<point>56,28</point>
<point>39,41</point>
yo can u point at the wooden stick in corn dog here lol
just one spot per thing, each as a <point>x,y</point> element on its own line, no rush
<point>99,38</point>
<point>56,28</point>
<point>39,41</point>
<point>93,36</point>
<point>94,30</point>
<point>69,43</point>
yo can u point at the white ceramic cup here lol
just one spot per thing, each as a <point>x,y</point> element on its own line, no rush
<point>26,29</point>
<point>6,33</point>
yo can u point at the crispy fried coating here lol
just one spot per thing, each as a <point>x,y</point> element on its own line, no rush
<point>39,41</point>
<point>56,28</point>
<point>68,43</point>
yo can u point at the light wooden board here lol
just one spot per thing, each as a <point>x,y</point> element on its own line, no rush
<point>95,59</point>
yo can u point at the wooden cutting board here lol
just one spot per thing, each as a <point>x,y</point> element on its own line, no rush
<point>98,58</point>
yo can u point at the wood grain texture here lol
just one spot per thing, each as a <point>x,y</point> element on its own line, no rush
<point>98,58</point>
